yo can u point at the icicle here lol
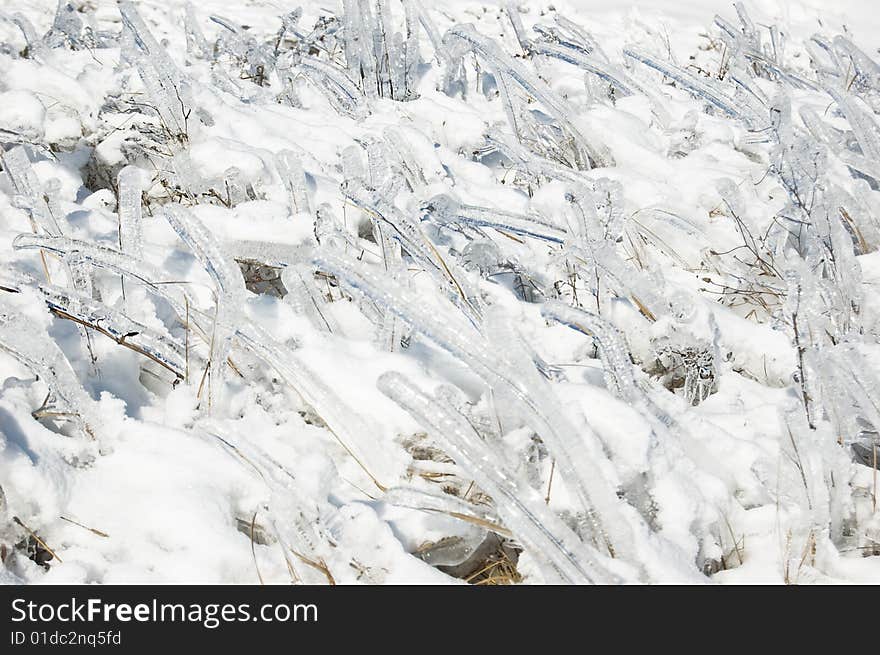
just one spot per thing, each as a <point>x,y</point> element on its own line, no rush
<point>443,209</point>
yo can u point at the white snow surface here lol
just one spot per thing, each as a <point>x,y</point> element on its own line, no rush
<point>297,463</point>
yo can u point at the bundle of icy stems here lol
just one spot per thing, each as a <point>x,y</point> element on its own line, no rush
<point>800,273</point>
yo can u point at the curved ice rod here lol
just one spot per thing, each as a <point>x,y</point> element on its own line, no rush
<point>84,310</point>
<point>409,234</point>
<point>699,88</point>
<point>443,209</point>
<point>503,64</point>
<point>519,505</point>
<point>576,448</point>
<point>605,71</point>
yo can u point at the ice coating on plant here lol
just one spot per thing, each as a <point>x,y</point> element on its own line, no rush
<point>28,188</point>
<point>29,343</point>
<point>617,298</point>
<point>445,210</point>
<point>130,185</point>
<point>96,316</point>
<point>576,458</point>
<point>505,66</point>
<point>701,88</point>
<point>294,179</point>
<point>519,506</point>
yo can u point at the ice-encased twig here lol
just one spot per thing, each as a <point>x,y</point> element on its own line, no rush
<point>128,209</point>
<point>66,27</point>
<point>519,505</point>
<point>413,240</point>
<point>31,345</point>
<point>125,331</point>
<point>863,124</point>
<point>257,57</point>
<point>512,11</point>
<point>380,175</point>
<point>449,505</point>
<point>502,64</point>
<point>120,264</point>
<point>337,87</point>
<point>162,79</point>
<point>358,46</point>
<point>349,429</point>
<point>577,464</point>
<point>699,88</point>
<point>26,184</point>
<point>306,299</point>
<point>409,165</point>
<point>427,24</point>
<point>196,43</point>
<point>101,257</point>
<point>865,71</point>
<point>44,211</point>
<point>615,356</point>
<point>35,47</point>
<point>411,56</point>
<point>606,71</point>
<point>444,209</point>
<point>231,292</point>
<point>528,161</point>
<point>842,369</point>
<point>294,516</point>
<point>403,230</point>
<point>208,251</point>
<point>143,37</point>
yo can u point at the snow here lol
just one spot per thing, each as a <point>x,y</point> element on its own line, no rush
<point>676,393</point>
